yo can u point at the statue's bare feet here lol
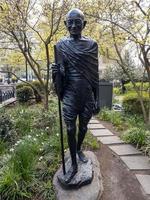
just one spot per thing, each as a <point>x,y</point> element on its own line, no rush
<point>82,156</point>
<point>70,174</point>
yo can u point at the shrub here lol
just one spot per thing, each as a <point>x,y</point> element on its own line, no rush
<point>135,121</point>
<point>24,93</point>
<point>105,114</point>
<point>132,104</point>
<point>129,86</point>
<point>20,85</point>
<point>146,148</point>
<point>136,136</point>
<point>116,91</point>
<point>116,118</point>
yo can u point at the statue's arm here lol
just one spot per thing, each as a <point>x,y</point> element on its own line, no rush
<point>96,88</point>
<point>58,73</point>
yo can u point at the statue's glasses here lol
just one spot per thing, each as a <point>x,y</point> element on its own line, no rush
<point>75,22</point>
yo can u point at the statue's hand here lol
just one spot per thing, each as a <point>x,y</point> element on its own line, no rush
<point>96,109</point>
<point>58,76</point>
<point>56,67</point>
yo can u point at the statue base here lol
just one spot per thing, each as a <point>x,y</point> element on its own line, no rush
<point>88,175</point>
<point>84,175</point>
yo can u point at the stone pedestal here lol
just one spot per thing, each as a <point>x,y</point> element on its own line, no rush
<point>88,175</point>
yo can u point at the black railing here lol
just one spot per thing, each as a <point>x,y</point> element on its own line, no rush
<point>6,94</point>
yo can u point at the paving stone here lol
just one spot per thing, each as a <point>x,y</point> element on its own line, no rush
<point>145,182</point>
<point>95,126</point>
<point>110,140</point>
<point>124,149</point>
<point>136,162</point>
<point>101,132</point>
<point>93,121</point>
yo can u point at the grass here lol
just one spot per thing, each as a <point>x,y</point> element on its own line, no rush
<point>3,146</point>
<point>29,162</point>
<point>131,127</point>
<point>90,142</point>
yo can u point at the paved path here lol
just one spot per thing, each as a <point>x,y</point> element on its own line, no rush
<point>133,159</point>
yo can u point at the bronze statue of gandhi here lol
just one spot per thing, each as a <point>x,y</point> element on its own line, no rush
<point>80,94</point>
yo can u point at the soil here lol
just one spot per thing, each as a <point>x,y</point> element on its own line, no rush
<point>119,182</point>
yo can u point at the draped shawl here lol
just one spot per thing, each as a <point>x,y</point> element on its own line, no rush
<point>82,54</point>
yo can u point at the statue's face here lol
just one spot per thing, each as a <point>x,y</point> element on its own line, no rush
<point>75,23</point>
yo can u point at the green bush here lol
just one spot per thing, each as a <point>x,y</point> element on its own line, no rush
<point>20,85</point>
<point>136,136</point>
<point>129,86</point>
<point>37,86</point>
<point>24,93</point>
<point>116,118</point>
<point>146,148</point>
<point>105,114</point>
<point>116,91</point>
<point>131,103</point>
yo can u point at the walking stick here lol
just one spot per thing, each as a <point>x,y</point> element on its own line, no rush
<point>60,114</point>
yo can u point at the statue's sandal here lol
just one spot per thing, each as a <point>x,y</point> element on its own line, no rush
<point>82,157</point>
<point>70,174</point>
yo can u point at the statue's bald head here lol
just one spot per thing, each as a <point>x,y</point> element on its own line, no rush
<point>75,22</point>
<point>75,12</point>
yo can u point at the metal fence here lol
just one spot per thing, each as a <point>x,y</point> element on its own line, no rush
<point>6,94</point>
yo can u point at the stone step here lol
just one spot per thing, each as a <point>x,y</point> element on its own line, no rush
<point>124,149</point>
<point>111,140</point>
<point>93,121</point>
<point>136,162</point>
<point>101,132</point>
<point>96,126</point>
<point>145,182</point>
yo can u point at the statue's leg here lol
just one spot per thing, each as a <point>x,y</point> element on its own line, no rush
<point>71,133</point>
<point>84,119</point>
<point>82,131</point>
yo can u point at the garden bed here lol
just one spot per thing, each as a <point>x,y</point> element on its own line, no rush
<point>30,151</point>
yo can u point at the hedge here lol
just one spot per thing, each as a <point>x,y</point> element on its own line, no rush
<point>145,87</point>
<point>24,93</point>
<point>37,85</point>
<point>131,103</point>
